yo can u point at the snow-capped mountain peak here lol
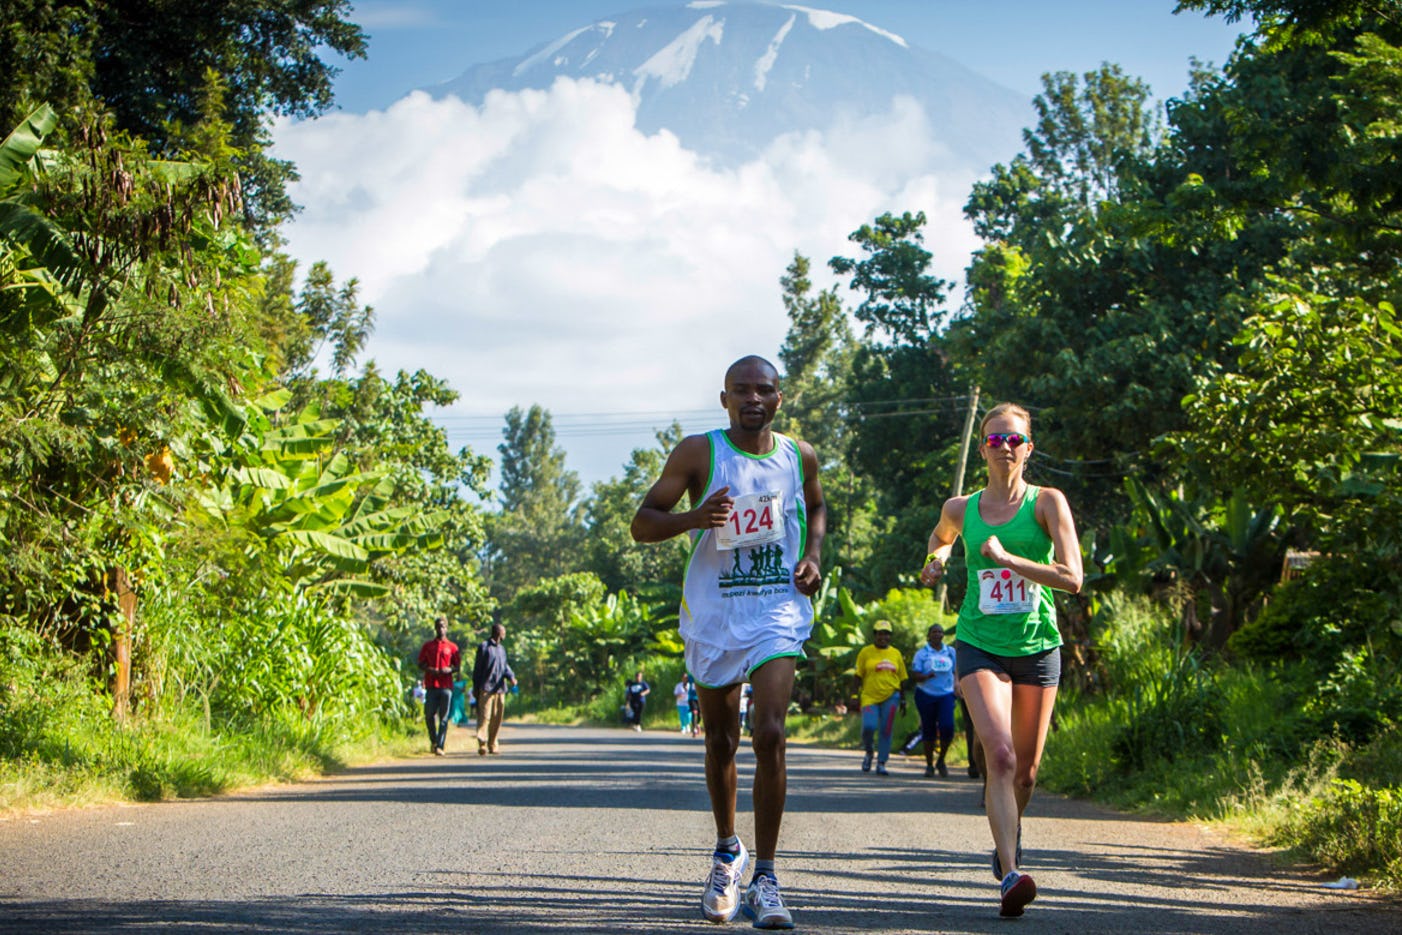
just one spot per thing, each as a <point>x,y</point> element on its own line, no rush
<point>728,76</point>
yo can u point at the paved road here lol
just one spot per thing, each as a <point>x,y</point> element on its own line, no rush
<point>576,830</point>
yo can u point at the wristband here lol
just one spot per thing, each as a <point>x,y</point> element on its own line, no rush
<point>932,557</point>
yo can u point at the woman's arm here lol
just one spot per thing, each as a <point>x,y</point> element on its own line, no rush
<point>1065,573</point>
<point>942,539</point>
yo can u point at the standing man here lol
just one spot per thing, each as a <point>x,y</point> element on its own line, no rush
<point>439,659</point>
<point>880,674</point>
<point>637,692</point>
<point>932,671</point>
<point>756,524</point>
<point>490,673</point>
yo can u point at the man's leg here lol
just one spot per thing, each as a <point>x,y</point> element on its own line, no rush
<point>497,711</point>
<point>436,702</point>
<point>769,708</point>
<point>444,707</point>
<point>720,710</point>
<point>428,719</point>
<point>483,717</point>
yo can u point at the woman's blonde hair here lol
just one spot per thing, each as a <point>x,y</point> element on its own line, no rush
<point>1005,409</point>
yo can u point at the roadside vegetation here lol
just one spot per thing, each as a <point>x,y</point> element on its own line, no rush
<point>226,531</point>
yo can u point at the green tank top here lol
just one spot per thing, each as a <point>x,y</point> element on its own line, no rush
<point>1003,613</point>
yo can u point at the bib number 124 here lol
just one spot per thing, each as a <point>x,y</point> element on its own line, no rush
<point>754,520</point>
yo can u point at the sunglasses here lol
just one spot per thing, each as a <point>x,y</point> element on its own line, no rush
<point>997,438</point>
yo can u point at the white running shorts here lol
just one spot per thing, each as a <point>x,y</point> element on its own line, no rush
<point>713,667</point>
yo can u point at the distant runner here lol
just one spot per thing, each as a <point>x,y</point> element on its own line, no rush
<point>932,671</point>
<point>880,674</point>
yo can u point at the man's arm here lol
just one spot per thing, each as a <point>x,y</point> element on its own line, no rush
<point>685,473</point>
<point>479,665</point>
<point>807,573</point>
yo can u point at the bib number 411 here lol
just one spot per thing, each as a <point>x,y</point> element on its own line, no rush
<point>1001,591</point>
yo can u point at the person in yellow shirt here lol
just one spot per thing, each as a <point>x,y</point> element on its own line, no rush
<point>880,674</point>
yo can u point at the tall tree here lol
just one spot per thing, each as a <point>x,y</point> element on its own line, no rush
<point>537,534</point>
<point>619,562</point>
<point>901,389</point>
<point>817,362</point>
<point>146,61</point>
<point>817,357</point>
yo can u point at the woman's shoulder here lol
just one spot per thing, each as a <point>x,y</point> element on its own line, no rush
<point>955,507</point>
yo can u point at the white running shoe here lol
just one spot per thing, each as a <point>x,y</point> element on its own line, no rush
<point>764,906</point>
<point>721,902</point>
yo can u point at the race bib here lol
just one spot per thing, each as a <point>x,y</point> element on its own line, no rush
<point>755,519</point>
<point>1003,591</point>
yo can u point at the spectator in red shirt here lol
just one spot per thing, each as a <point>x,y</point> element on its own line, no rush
<point>439,659</point>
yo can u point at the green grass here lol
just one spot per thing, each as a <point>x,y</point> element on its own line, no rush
<point>88,759</point>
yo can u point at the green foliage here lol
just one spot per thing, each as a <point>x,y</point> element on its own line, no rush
<point>146,62</point>
<point>902,300</point>
<point>1173,715</point>
<point>1331,609</point>
<point>816,358</point>
<point>1353,828</point>
<point>609,550</point>
<point>537,534</point>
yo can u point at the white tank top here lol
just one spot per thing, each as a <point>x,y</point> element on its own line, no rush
<point>738,588</point>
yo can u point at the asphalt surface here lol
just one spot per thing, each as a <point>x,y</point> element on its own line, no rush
<point>580,830</point>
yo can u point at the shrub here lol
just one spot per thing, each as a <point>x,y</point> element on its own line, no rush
<point>1352,828</point>
<point>1174,714</point>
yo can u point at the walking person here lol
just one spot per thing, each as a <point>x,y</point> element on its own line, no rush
<point>681,692</point>
<point>880,674</point>
<point>756,524</point>
<point>693,701</point>
<point>635,693</point>
<point>490,675</point>
<point>1019,545</point>
<point>439,659</point>
<point>932,671</point>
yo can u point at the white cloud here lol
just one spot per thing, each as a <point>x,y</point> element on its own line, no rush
<point>540,249</point>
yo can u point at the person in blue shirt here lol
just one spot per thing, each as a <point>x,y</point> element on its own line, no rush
<point>490,675</point>
<point>932,670</point>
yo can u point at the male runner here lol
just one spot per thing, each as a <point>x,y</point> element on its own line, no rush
<point>756,525</point>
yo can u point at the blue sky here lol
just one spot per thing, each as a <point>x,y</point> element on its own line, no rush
<point>611,276</point>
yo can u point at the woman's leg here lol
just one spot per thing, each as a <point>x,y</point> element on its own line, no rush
<point>1031,719</point>
<point>888,725</point>
<point>927,706</point>
<point>944,720</point>
<point>989,697</point>
<point>871,721</point>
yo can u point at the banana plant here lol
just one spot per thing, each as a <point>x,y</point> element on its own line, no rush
<point>287,487</point>
<point>1226,552</point>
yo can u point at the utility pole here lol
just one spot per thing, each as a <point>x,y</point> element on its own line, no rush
<point>959,473</point>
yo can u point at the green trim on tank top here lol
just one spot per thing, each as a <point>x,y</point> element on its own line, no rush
<point>754,457</point>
